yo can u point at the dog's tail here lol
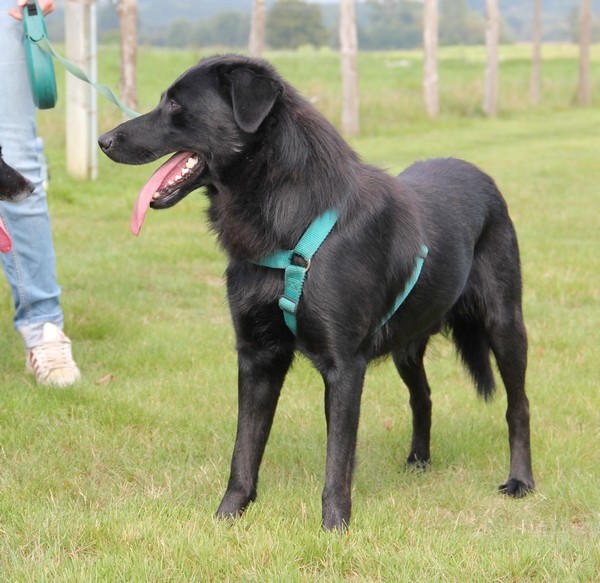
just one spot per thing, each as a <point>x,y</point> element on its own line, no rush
<point>468,334</point>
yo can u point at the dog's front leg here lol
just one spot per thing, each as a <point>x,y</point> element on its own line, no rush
<point>343,389</point>
<point>261,373</point>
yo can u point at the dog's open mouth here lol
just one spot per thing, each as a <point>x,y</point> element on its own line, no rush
<point>167,186</point>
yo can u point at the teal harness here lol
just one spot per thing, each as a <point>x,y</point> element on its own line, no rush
<point>296,263</point>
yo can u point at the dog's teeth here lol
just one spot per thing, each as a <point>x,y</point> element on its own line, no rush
<point>191,162</point>
<point>170,183</point>
<point>177,178</point>
<point>185,171</point>
<point>155,196</point>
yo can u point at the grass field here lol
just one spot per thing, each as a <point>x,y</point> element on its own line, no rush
<point>118,479</point>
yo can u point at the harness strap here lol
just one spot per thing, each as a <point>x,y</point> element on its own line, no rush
<point>412,281</point>
<point>304,251</point>
<point>295,274</point>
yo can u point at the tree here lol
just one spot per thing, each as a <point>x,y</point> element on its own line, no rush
<point>349,50</point>
<point>393,24</point>
<point>536,80</point>
<point>492,32</point>
<point>459,25</point>
<point>230,28</point>
<point>180,33</point>
<point>127,12</point>
<point>430,63</point>
<point>585,35</point>
<point>257,28</point>
<point>293,23</point>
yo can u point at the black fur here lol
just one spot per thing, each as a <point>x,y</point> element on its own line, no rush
<point>14,186</point>
<point>272,164</point>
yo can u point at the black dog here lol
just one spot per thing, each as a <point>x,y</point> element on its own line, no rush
<point>14,187</point>
<point>271,164</point>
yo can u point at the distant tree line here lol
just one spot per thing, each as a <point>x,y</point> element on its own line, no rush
<point>382,25</point>
<point>386,24</point>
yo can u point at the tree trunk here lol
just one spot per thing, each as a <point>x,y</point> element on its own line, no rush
<point>492,32</point>
<point>349,51</point>
<point>585,37</point>
<point>257,28</point>
<point>127,11</point>
<point>536,76</point>
<point>430,62</point>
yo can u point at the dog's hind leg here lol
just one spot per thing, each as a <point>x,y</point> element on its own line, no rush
<point>508,340</point>
<point>412,371</point>
<point>496,286</point>
<point>343,389</point>
<point>261,372</point>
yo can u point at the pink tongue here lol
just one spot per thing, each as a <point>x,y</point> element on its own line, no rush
<point>5,242</point>
<point>156,181</point>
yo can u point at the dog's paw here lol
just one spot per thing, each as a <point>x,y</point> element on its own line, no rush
<point>516,488</point>
<point>233,505</point>
<point>417,463</point>
<point>227,514</point>
<point>337,507</point>
<point>335,519</point>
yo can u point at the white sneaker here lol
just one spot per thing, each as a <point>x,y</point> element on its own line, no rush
<point>52,361</point>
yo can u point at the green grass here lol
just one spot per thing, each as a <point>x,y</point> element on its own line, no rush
<point>118,479</point>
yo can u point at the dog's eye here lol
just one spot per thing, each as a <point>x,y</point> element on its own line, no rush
<point>173,106</point>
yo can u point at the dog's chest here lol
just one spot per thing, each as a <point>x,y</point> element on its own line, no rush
<point>238,228</point>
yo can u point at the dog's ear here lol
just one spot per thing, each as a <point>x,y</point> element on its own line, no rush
<point>253,97</point>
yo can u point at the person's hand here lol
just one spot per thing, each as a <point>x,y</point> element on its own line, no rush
<point>47,6</point>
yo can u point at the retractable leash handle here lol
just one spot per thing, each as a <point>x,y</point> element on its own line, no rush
<point>40,52</point>
<point>40,67</point>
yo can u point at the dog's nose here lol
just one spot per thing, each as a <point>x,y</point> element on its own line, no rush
<point>105,141</point>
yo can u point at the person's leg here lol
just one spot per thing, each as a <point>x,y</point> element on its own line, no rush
<point>30,267</point>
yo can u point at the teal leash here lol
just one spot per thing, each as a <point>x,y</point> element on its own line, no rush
<point>78,72</point>
<point>309,244</point>
<point>41,71</point>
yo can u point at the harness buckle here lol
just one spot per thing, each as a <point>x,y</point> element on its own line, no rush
<point>289,305</point>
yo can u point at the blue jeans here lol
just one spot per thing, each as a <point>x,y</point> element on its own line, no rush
<point>30,267</point>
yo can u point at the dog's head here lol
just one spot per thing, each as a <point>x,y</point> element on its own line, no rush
<point>14,186</point>
<point>208,117</point>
